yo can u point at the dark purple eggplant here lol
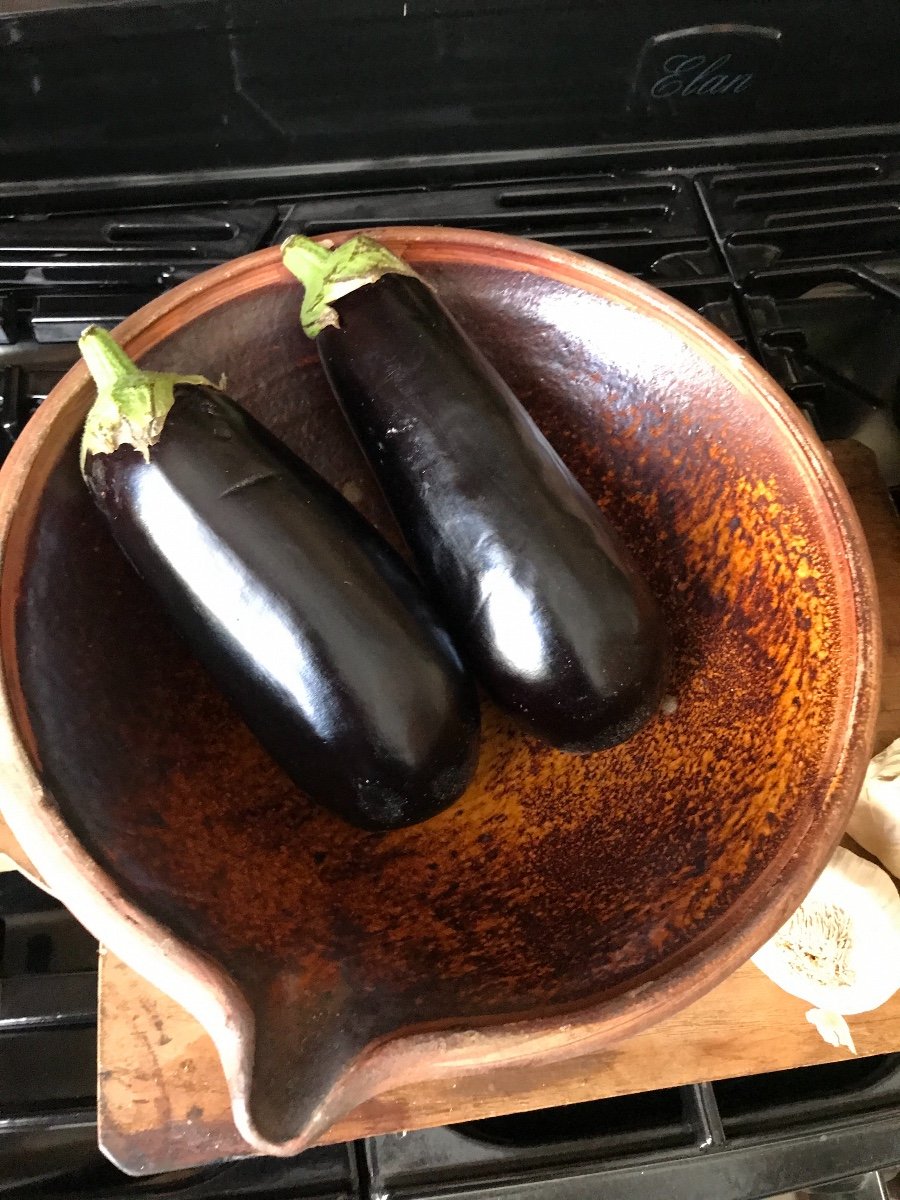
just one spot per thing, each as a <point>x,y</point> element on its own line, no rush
<point>536,587</point>
<point>308,620</point>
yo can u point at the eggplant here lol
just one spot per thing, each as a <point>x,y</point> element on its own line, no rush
<point>537,589</point>
<point>312,625</point>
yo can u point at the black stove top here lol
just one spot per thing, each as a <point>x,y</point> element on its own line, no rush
<point>799,261</point>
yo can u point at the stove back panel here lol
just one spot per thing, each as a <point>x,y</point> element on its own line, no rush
<point>130,89</point>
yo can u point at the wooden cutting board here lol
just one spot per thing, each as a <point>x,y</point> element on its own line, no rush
<point>163,1104</point>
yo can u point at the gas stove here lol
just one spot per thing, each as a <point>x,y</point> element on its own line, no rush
<point>743,158</point>
<point>798,260</point>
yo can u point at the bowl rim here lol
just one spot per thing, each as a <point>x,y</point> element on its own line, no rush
<point>404,1057</point>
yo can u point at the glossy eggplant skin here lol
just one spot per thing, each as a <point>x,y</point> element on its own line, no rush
<point>539,594</point>
<point>307,619</point>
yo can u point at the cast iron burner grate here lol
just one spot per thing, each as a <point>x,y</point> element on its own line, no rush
<point>830,334</point>
<point>728,1140</point>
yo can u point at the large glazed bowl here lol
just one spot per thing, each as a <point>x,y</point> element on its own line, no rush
<point>563,902</point>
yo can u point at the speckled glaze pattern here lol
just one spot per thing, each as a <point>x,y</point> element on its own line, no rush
<point>564,900</point>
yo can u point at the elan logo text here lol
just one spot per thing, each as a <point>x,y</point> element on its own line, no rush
<point>698,75</point>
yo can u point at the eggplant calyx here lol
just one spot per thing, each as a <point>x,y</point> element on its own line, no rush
<point>131,405</point>
<point>327,275</point>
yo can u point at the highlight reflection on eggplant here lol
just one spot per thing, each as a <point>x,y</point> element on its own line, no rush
<point>308,620</point>
<point>535,586</point>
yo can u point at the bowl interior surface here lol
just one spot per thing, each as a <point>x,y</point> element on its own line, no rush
<point>557,882</point>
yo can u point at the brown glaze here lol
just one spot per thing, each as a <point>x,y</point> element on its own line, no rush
<point>563,902</point>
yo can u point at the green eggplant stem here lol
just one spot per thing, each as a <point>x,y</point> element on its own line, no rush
<point>131,405</point>
<point>327,274</point>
